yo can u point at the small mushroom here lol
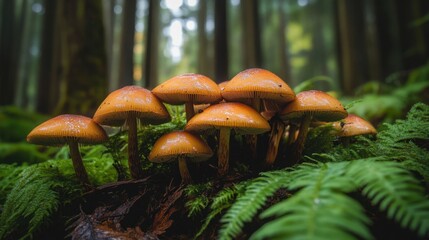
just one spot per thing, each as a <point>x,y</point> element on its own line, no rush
<point>226,116</point>
<point>352,126</point>
<point>308,106</point>
<point>183,146</point>
<point>126,105</point>
<point>188,89</point>
<point>72,130</point>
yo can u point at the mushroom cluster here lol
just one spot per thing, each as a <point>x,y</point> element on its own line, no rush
<point>253,102</point>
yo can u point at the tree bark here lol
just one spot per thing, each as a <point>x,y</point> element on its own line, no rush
<point>10,40</point>
<point>221,41</point>
<point>151,60</point>
<point>252,43</point>
<point>202,38</point>
<point>126,70</point>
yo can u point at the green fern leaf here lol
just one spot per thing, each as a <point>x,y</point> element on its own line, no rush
<point>247,205</point>
<point>34,198</point>
<point>395,191</point>
<point>221,201</point>
<point>319,210</point>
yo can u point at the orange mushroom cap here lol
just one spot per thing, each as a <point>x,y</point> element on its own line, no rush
<point>354,125</point>
<point>117,106</point>
<point>323,107</point>
<point>242,118</point>
<point>188,87</point>
<point>257,83</point>
<point>180,143</point>
<point>67,128</point>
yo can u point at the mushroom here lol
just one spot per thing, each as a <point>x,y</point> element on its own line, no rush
<point>126,105</point>
<point>72,130</point>
<point>188,89</point>
<point>226,116</point>
<point>183,146</point>
<point>257,85</point>
<point>308,106</point>
<point>352,126</point>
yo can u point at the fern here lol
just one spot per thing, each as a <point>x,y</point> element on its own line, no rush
<point>395,190</point>
<point>9,175</point>
<point>254,197</point>
<point>320,209</point>
<point>36,196</point>
<point>199,201</point>
<point>221,201</point>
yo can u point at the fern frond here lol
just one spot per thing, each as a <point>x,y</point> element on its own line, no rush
<point>254,197</point>
<point>38,194</point>
<point>320,209</point>
<point>222,201</point>
<point>395,191</point>
<point>196,205</point>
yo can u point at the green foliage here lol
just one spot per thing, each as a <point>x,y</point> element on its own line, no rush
<point>21,153</point>
<point>198,199</point>
<point>15,123</point>
<point>392,99</point>
<point>36,196</point>
<point>247,205</point>
<point>223,200</point>
<point>40,190</point>
<point>319,210</point>
<point>321,205</point>
<point>9,175</point>
<point>394,190</point>
<point>310,83</point>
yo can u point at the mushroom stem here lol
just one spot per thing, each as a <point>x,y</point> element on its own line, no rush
<point>223,151</point>
<point>252,139</point>
<point>133,159</point>
<point>291,134</point>
<point>184,172</point>
<point>189,108</point>
<point>78,166</point>
<point>302,135</point>
<point>276,134</point>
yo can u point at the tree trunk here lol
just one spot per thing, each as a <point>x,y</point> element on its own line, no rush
<point>285,67</point>
<point>10,41</point>
<point>126,70</point>
<point>45,87</point>
<point>79,66</point>
<point>151,60</point>
<point>251,32</point>
<point>221,42</point>
<point>202,38</point>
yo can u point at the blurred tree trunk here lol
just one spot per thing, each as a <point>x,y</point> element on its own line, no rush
<point>285,67</point>
<point>47,87</point>
<point>10,40</point>
<point>221,41</point>
<point>77,63</point>
<point>252,34</point>
<point>150,68</point>
<point>109,27</point>
<point>126,69</point>
<point>202,38</point>
<point>350,30</point>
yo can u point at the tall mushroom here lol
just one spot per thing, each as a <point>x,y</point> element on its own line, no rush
<point>308,106</point>
<point>183,146</point>
<point>188,89</point>
<point>72,130</point>
<point>257,85</point>
<point>126,105</point>
<point>226,116</point>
